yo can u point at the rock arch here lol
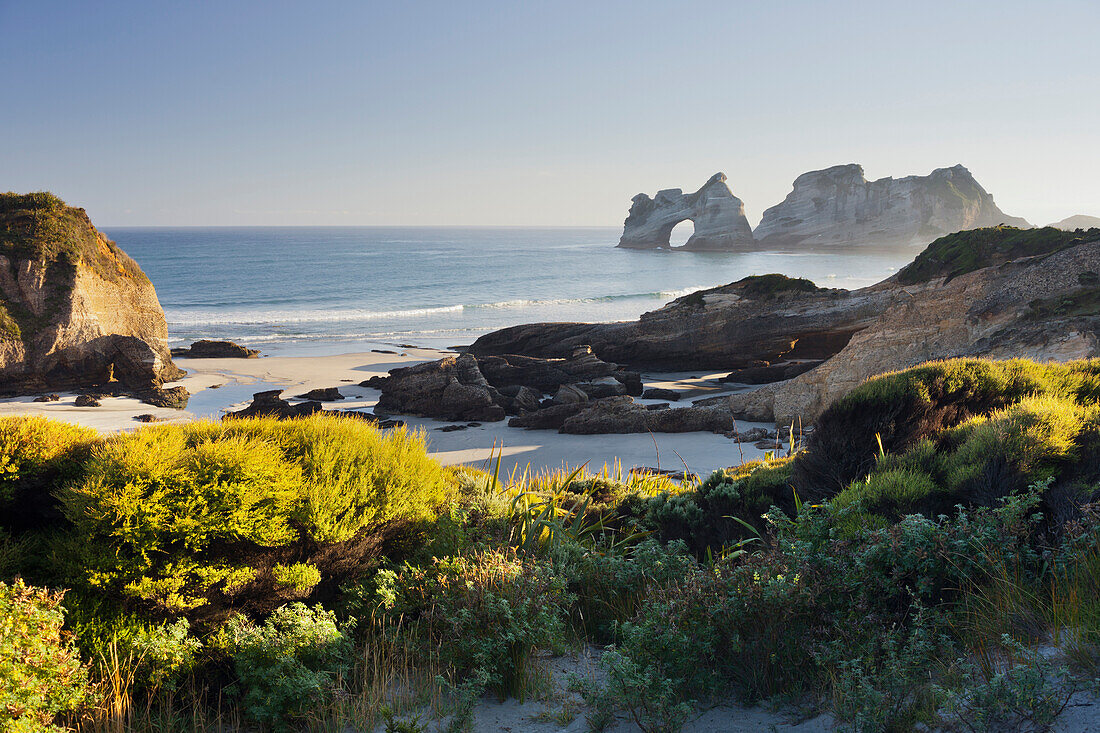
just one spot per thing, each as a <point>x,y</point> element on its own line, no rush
<point>718,216</point>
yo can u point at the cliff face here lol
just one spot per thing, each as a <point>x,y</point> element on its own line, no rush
<point>998,293</point>
<point>718,215</point>
<point>839,206</point>
<point>75,310</point>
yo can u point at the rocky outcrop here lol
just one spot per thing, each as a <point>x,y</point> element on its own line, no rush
<point>839,206</point>
<point>452,388</point>
<point>207,349</point>
<point>1000,292</point>
<point>271,404</point>
<point>758,321</point>
<point>466,387</point>
<point>718,215</point>
<point>75,311</point>
<point>578,364</point>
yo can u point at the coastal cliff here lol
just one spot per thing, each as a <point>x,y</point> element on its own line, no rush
<point>75,310</point>
<point>840,206</point>
<point>997,292</point>
<point>718,215</point>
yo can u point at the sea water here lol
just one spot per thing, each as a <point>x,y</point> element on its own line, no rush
<point>324,290</point>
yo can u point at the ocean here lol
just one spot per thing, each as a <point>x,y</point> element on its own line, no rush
<point>299,291</point>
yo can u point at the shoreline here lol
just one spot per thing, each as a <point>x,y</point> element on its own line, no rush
<point>218,385</point>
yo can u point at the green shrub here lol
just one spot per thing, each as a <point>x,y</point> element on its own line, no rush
<point>609,586</point>
<point>489,612</point>
<point>811,609</point>
<point>40,673</point>
<point>37,454</point>
<point>289,665</point>
<point>164,654</point>
<point>980,429</point>
<point>706,517</point>
<point>203,518</point>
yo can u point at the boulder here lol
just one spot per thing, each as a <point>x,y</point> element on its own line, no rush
<point>86,400</point>
<point>47,398</point>
<point>718,216</point>
<point>174,397</point>
<point>207,349</point>
<point>323,394</point>
<point>657,393</point>
<point>375,382</point>
<point>147,417</point>
<point>520,400</point>
<point>838,206</point>
<point>75,311</point>
<point>569,394</point>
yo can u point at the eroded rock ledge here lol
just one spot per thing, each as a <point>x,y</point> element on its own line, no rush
<point>999,292</point>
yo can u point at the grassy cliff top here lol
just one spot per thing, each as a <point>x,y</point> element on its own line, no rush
<point>962,252</point>
<point>41,227</point>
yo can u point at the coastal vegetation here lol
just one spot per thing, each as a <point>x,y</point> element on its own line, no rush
<point>965,251</point>
<point>912,564</point>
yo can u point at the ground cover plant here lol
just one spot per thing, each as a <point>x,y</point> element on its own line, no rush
<point>907,567</point>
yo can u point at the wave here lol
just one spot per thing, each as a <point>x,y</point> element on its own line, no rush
<point>184,319</point>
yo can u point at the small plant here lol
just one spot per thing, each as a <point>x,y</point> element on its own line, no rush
<point>41,676</point>
<point>487,612</point>
<point>289,665</point>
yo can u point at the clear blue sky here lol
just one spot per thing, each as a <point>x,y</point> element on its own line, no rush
<point>405,112</point>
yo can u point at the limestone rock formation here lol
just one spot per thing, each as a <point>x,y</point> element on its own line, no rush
<point>998,292</point>
<point>1077,221</point>
<point>839,206</point>
<point>75,310</point>
<point>718,215</point>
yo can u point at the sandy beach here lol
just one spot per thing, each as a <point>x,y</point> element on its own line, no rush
<point>218,385</point>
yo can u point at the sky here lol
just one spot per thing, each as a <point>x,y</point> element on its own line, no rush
<point>534,113</point>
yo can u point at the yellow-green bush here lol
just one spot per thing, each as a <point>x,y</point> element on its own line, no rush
<point>199,519</point>
<point>40,673</point>
<point>35,454</point>
<point>965,431</point>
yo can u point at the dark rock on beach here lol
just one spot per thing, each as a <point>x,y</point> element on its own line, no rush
<point>271,404</point>
<point>47,398</point>
<point>174,397</point>
<point>466,387</point>
<point>325,394</point>
<point>657,393</point>
<point>87,400</point>
<point>208,349</point>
